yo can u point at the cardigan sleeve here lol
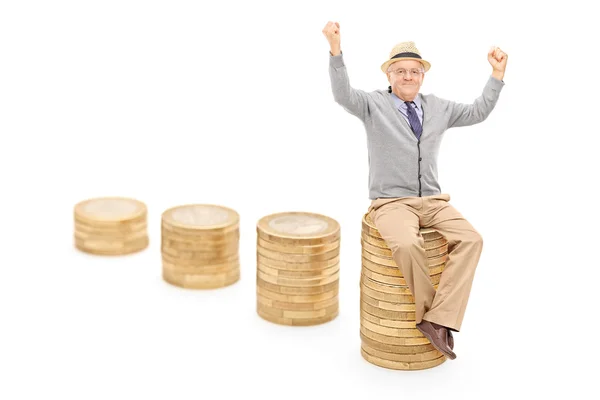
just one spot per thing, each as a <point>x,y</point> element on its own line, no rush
<point>471,114</point>
<point>355,101</point>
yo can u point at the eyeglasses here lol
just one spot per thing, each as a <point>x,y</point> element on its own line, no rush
<point>403,72</point>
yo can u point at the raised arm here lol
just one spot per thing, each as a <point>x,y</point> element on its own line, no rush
<point>354,101</point>
<point>471,114</point>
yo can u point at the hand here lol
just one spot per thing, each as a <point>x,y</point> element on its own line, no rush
<point>497,59</point>
<point>332,33</point>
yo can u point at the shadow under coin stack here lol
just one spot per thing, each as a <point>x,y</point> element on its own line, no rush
<point>298,267</point>
<point>200,246</point>
<point>110,226</point>
<point>389,337</point>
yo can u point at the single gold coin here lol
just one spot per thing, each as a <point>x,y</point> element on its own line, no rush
<point>394,332</point>
<point>200,247</point>
<point>393,288</point>
<point>197,262</point>
<point>395,301</point>
<point>115,237</point>
<point>394,340</point>
<point>389,323</point>
<point>302,314</point>
<point>402,357</point>
<point>106,225</point>
<point>395,271</point>
<point>280,305</point>
<point>384,287</point>
<point>194,219</point>
<point>391,280</point>
<point>296,321</point>
<point>297,258</point>
<point>296,266</point>
<point>201,281</point>
<point>284,273</point>
<point>109,211</point>
<point>390,291</point>
<point>108,248</point>
<point>390,348</point>
<point>202,268</point>
<point>201,237</point>
<point>216,254</point>
<point>296,299</point>
<point>387,314</point>
<point>381,269</point>
<point>385,305</point>
<point>380,260</point>
<point>394,281</point>
<point>298,228</point>
<point>298,282</point>
<point>295,290</point>
<point>104,229</point>
<point>401,365</point>
<point>298,249</point>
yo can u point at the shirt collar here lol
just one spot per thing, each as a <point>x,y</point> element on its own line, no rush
<point>400,103</point>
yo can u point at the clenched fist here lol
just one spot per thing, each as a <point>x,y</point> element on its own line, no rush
<point>332,33</point>
<point>497,59</point>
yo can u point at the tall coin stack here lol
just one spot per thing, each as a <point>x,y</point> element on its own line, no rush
<point>200,246</point>
<point>389,337</point>
<point>110,226</point>
<point>298,268</point>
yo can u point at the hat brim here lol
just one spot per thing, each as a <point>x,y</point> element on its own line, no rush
<point>385,65</point>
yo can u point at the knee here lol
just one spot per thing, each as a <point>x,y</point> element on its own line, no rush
<point>474,238</point>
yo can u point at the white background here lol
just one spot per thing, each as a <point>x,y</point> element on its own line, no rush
<point>175,102</point>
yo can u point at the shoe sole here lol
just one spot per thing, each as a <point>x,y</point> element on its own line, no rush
<point>450,356</point>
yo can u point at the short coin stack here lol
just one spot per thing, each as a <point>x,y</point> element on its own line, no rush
<point>388,332</point>
<point>110,226</point>
<point>200,246</point>
<point>298,268</point>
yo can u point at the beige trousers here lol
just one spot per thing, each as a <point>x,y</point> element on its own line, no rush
<point>398,220</point>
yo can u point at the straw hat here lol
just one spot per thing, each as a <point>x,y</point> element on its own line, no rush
<point>405,51</point>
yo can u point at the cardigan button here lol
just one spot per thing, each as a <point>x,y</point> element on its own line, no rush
<point>420,158</point>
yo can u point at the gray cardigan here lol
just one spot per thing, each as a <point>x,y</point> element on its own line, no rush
<point>399,164</point>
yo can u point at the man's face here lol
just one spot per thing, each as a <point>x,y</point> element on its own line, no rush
<point>404,83</point>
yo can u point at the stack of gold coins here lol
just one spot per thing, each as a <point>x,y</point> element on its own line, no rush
<point>298,268</point>
<point>110,226</point>
<point>200,246</point>
<point>389,336</point>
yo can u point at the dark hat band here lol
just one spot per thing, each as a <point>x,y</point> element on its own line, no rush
<point>406,54</point>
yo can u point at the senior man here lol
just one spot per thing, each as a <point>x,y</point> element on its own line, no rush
<point>404,131</point>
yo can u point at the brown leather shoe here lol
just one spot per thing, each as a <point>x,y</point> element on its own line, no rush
<point>438,336</point>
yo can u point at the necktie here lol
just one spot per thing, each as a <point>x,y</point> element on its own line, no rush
<point>414,119</point>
